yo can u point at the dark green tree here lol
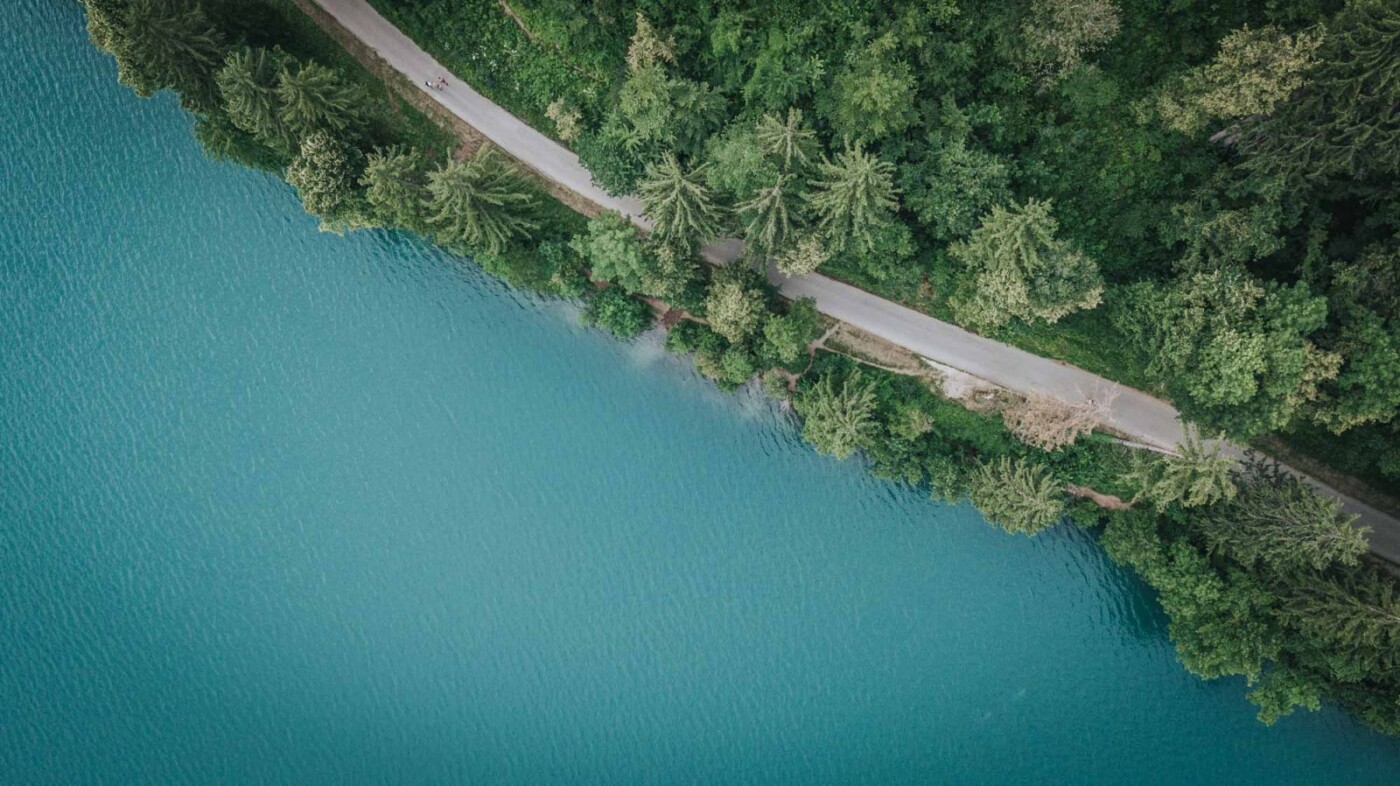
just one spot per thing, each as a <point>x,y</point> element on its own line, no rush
<point>395,181</point>
<point>160,44</point>
<point>248,85</point>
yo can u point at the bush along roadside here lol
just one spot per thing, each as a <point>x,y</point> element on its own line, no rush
<point>1260,577</point>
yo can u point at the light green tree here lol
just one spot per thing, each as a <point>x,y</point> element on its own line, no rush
<point>1254,72</point>
<point>804,253</point>
<point>483,202</point>
<point>1016,268</point>
<point>738,164</point>
<point>1196,476</point>
<point>838,421</point>
<point>314,97</point>
<point>1016,495</point>
<point>679,203</point>
<point>788,140</point>
<point>771,216</point>
<point>1059,33</point>
<point>734,307</point>
<point>323,173</point>
<point>612,248</point>
<point>1234,352</point>
<point>395,180</point>
<point>853,198</point>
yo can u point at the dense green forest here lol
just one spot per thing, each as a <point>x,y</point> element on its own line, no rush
<point>1162,185</point>
<point>1198,197</point>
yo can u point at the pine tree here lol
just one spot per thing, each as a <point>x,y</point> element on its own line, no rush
<point>315,97</point>
<point>394,181</point>
<point>1354,617</point>
<point>1279,522</point>
<point>853,198</point>
<point>1195,477</point>
<point>1016,495</point>
<point>788,140</point>
<point>483,202</point>
<point>679,203</point>
<point>1346,122</point>
<point>770,216</point>
<point>248,83</point>
<point>160,44</point>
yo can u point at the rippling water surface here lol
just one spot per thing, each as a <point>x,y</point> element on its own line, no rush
<point>279,506</point>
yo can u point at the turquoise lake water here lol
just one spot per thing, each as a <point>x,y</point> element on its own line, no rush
<point>284,507</point>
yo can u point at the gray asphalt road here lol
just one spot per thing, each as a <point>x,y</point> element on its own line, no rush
<point>1143,417</point>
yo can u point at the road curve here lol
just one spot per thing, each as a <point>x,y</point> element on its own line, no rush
<point>1134,413</point>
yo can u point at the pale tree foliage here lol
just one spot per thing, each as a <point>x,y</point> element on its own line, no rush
<point>1050,423</point>
<point>483,202</point>
<point>1254,71</point>
<point>1279,521</point>
<point>679,203</point>
<point>647,48</point>
<point>669,272</point>
<point>769,216</point>
<point>853,197</point>
<point>565,119</point>
<point>1016,495</point>
<point>323,173</point>
<point>1198,475</point>
<point>838,421</point>
<point>733,309</point>
<point>1059,33</point>
<point>804,254</point>
<point>1019,269</point>
<point>788,139</point>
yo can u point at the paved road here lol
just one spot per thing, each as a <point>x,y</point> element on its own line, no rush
<point>1143,417</point>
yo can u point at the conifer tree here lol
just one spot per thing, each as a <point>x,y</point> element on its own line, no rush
<point>679,203</point>
<point>788,140</point>
<point>248,84</point>
<point>394,181</point>
<point>315,97</point>
<point>770,216</point>
<point>853,198</point>
<point>1016,495</point>
<point>483,202</point>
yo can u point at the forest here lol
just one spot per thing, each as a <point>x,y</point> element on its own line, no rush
<point>1196,198</point>
<point>1200,201</point>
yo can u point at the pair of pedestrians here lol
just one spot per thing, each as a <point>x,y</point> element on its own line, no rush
<point>435,84</point>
